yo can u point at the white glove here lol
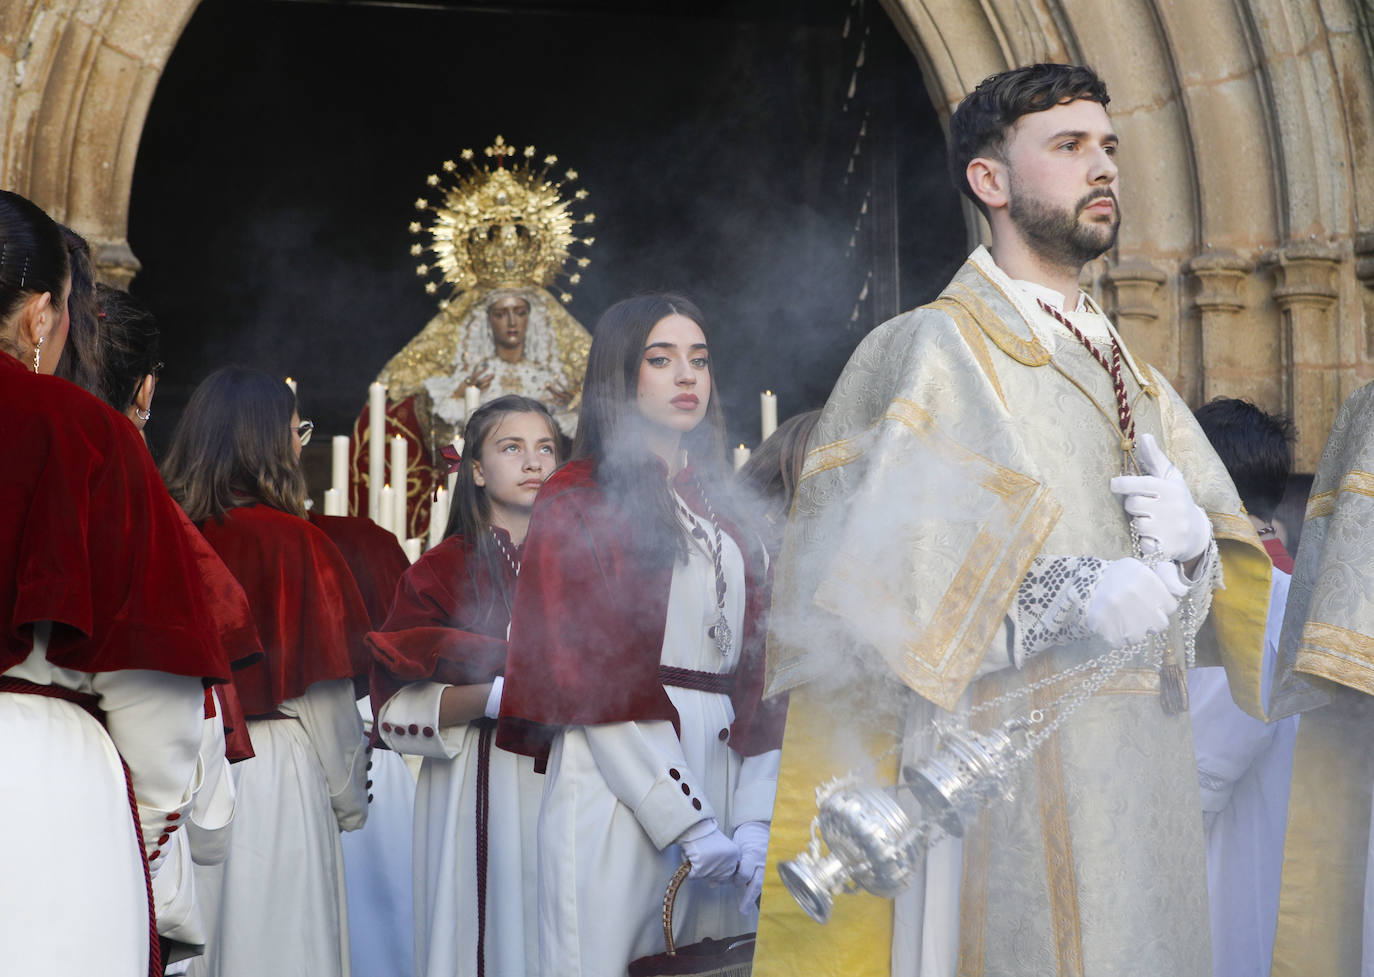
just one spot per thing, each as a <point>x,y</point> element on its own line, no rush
<point>712,854</point>
<point>1130,601</point>
<point>752,838</point>
<point>1162,508</point>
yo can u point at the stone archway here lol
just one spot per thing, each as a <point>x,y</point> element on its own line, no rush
<point>1246,265</point>
<point>1245,260</point>
<point>80,77</point>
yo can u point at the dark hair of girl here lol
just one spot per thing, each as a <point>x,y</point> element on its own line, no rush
<point>33,259</point>
<point>608,429</point>
<point>83,358</point>
<point>469,515</point>
<point>232,447</point>
<point>131,345</point>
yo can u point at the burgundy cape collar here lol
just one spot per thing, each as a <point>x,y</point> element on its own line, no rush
<point>589,620</point>
<point>372,554</point>
<point>308,611</point>
<point>90,540</point>
<point>446,624</point>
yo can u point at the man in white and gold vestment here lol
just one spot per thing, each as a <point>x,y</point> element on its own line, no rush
<point>1326,671</point>
<point>998,492</point>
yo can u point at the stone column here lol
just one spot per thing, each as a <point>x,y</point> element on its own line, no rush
<point>115,262</point>
<point>1305,292</point>
<point>1136,282</point>
<point>1227,354</point>
<point>1364,271</point>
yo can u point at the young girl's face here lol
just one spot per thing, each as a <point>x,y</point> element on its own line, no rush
<point>674,375</point>
<point>516,457</point>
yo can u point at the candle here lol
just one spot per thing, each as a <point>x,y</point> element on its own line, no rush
<point>438,516</point>
<point>768,409</point>
<point>400,483</point>
<point>412,548</point>
<point>376,449</point>
<point>741,456</point>
<point>472,398</point>
<point>291,383</point>
<point>339,468</point>
<point>386,508</point>
<point>331,502</point>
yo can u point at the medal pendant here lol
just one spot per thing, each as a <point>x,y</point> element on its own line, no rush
<point>722,634</point>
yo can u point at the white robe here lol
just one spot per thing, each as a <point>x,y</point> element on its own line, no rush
<point>73,899</point>
<point>618,796</point>
<point>445,860</point>
<point>1244,769</point>
<point>277,904</point>
<point>377,864</point>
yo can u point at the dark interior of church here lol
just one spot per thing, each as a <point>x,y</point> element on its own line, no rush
<point>779,161</point>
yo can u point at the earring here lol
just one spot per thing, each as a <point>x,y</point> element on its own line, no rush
<point>38,352</point>
<point>142,415</point>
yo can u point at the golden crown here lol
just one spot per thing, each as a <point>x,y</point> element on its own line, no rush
<point>507,226</point>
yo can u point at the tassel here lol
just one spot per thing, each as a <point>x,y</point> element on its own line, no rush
<point>1173,685</point>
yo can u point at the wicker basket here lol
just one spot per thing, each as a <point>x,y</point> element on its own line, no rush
<point>730,957</point>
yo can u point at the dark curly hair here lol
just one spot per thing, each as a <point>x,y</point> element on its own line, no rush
<point>980,124</point>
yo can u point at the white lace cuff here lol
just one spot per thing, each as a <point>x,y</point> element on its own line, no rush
<point>1049,604</point>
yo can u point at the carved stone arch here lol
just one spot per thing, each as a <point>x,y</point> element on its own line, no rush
<point>81,75</point>
<point>1243,267</point>
<point>1246,264</point>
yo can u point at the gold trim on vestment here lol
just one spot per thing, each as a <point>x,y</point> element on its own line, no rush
<point>1321,901</point>
<point>977,859</point>
<point>938,659</point>
<point>1029,352</point>
<point>1228,526</point>
<point>1339,654</point>
<point>1061,875</point>
<point>973,338</point>
<point>1324,503</point>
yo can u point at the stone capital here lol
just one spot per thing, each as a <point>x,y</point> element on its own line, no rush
<point>115,262</point>
<point>1306,274</point>
<point>1219,274</point>
<point>1364,257</point>
<point>1135,281</point>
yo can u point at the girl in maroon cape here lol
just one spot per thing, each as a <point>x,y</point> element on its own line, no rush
<point>234,465</point>
<point>636,656</point>
<point>106,645</point>
<point>436,685</point>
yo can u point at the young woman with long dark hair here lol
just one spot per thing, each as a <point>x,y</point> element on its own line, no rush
<point>234,465</point>
<point>436,685</point>
<point>106,649</point>
<point>635,661</point>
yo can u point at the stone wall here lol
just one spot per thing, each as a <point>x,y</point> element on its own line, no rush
<point>79,76</point>
<point>1246,260</point>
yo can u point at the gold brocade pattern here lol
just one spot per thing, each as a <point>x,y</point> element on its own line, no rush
<point>930,492</point>
<point>1060,872</point>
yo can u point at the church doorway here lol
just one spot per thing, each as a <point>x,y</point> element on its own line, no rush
<point>779,161</point>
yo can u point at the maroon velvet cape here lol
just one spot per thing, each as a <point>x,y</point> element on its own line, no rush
<point>446,625</point>
<point>373,554</point>
<point>589,619</point>
<point>308,611</point>
<point>90,540</point>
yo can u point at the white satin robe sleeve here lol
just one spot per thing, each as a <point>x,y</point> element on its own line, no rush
<point>329,714</point>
